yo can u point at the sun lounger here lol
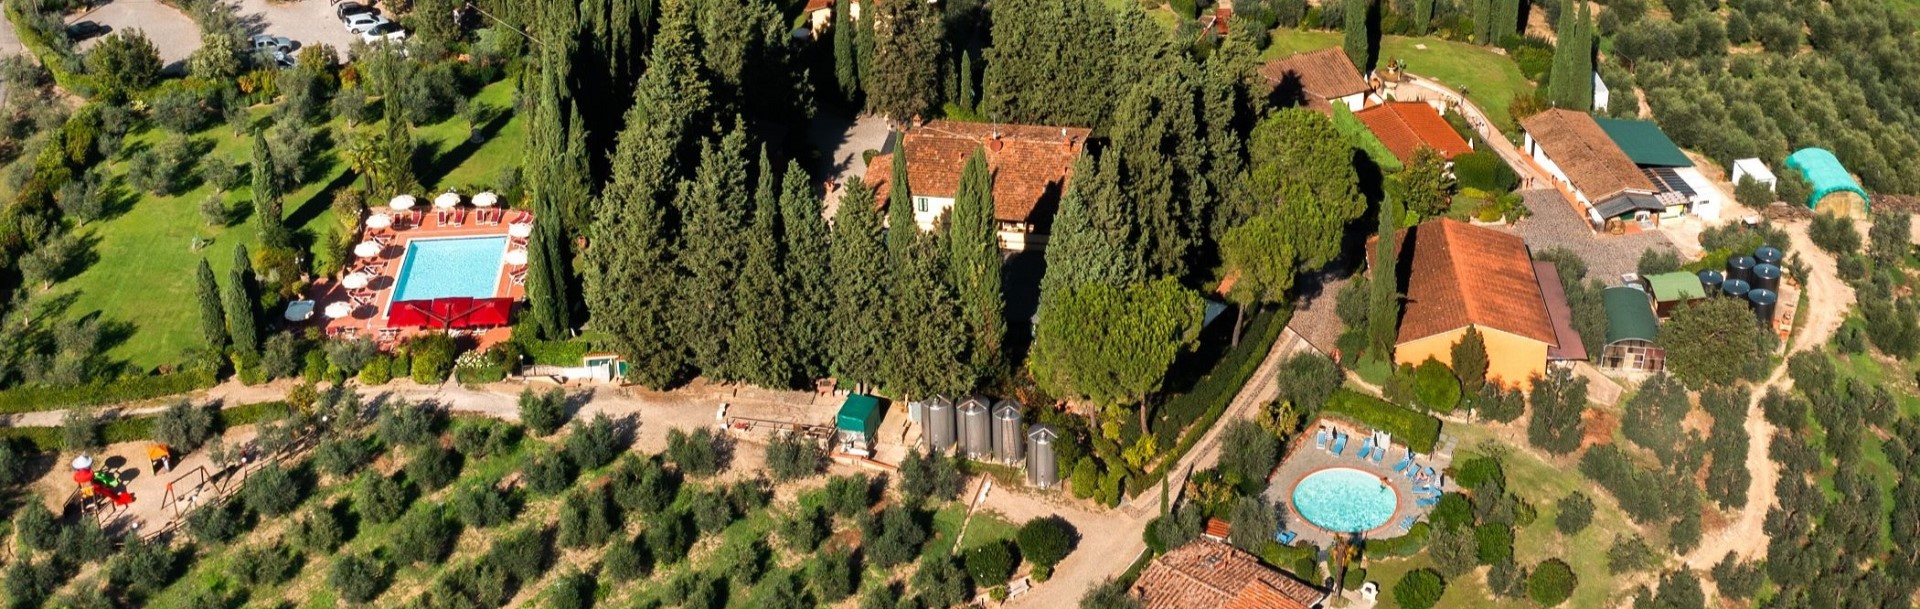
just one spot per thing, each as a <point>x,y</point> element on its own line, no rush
<point>1320,439</point>
<point>1428,472</point>
<point>1284,537</point>
<point>1404,462</point>
<point>519,277</point>
<point>1407,523</point>
<point>1366,449</point>
<point>1428,502</point>
<point>1380,453</point>
<point>1339,443</point>
<point>459,217</point>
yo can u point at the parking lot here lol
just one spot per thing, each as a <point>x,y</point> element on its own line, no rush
<point>172,32</point>
<point>306,22</point>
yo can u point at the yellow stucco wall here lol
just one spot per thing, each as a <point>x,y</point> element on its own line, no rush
<point>1511,359</point>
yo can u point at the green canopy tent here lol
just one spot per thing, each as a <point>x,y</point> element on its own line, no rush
<point>1631,331</point>
<point>1834,190</point>
<point>858,422</point>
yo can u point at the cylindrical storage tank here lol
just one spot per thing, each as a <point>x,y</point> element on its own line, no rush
<point>1768,254</point>
<point>1042,471</point>
<point>1735,288</point>
<point>1710,281</point>
<point>976,429</point>
<point>941,429</point>
<point>1766,276</point>
<point>1764,302</point>
<point>1009,437</point>
<point>1741,268</point>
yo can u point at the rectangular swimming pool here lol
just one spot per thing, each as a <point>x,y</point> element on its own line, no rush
<point>441,268</point>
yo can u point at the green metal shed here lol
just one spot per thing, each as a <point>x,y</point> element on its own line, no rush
<point>1829,178</point>
<point>1677,286</point>
<point>859,415</point>
<point>1629,317</point>
<point>1644,142</point>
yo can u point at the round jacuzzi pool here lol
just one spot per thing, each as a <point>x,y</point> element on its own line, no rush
<point>1345,500</point>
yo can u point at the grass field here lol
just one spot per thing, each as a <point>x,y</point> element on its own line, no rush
<point>144,273</point>
<point>1542,485</point>
<point>1490,79</point>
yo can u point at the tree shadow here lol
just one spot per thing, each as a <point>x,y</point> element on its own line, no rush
<point>444,163</point>
<point>116,198</point>
<point>320,201</point>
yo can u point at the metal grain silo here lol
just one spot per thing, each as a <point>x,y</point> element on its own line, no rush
<point>1710,281</point>
<point>941,428</point>
<point>1042,470</point>
<point>1768,254</point>
<point>1741,268</point>
<point>1009,437</point>
<point>1763,302</point>
<point>1766,276</point>
<point>1735,288</point>
<point>976,429</point>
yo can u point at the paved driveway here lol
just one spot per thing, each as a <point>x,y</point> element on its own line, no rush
<point>841,139</point>
<point>171,31</point>
<point>1555,224</point>
<point>306,22</point>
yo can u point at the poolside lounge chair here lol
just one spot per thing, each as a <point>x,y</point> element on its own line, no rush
<point>1366,448</point>
<point>1428,502</point>
<point>519,277</point>
<point>1284,537</point>
<point>1320,439</point>
<point>1428,472</point>
<point>1339,443</point>
<point>1407,523</point>
<point>1381,453</point>
<point>1404,462</point>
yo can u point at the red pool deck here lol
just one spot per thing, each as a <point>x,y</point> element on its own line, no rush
<point>370,320</point>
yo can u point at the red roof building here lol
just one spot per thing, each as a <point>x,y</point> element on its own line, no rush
<point>1208,574</point>
<point>1030,165</point>
<point>1406,127</point>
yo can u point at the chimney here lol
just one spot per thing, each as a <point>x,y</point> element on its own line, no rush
<point>993,142</point>
<point>1073,143</point>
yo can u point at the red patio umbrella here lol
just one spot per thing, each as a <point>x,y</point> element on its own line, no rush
<point>410,313</point>
<point>490,313</point>
<point>452,310</point>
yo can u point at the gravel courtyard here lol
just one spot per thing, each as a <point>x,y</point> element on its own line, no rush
<point>1556,224</point>
<point>172,32</point>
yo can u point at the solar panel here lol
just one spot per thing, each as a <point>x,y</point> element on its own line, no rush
<point>1668,180</point>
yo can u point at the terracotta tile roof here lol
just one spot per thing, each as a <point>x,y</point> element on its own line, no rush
<point>1463,275</point>
<point>1406,126</point>
<point>1586,154</point>
<point>1566,341</point>
<point>1207,574</point>
<point>1221,15</point>
<point>1030,163</point>
<point>817,5</point>
<point>1323,74</point>
<point>1218,529</point>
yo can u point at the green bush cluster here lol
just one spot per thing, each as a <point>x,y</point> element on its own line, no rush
<point>125,389</point>
<point>1419,430</point>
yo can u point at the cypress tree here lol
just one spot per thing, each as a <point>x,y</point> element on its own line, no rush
<point>905,77</point>
<point>267,214</point>
<point>900,224</point>
<point>1422,17</point>
<point>1383,308</point>
<point>546,261</point>
<point>968,98</point>
<point>1571,84</point>
<point>709,257</point>
<point>213,321</point>
<point>863,47</point>
<point>975,265</point>
<point>1083,248</point>
<point>1359,33</point>
<point>399,152</point>
<point>846,58</point>
<point>757,349</point>
<point>807,267</point>
<point>859,259</point>
<point>1482,20</point>
<point>241,325</point>
<point>1506,20</point>
<point>929,351</point>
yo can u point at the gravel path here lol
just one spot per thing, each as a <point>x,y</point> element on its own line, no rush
<point>172,32</point>
<point>1556,224</point>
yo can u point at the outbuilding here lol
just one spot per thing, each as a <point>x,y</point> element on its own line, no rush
<point>1631,330</point>
<point>1834,190</point>
<point>1670,290</point>
<point>858,424</point>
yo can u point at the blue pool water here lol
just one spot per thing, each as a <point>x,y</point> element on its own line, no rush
<point>1344,500</point>
<point>440,268</point>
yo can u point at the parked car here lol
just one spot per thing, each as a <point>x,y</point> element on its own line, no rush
<point>82,30</point>
<point>263,42</point>
<point>349,9</point>
<point>360,23</point>
<point>384,31</point>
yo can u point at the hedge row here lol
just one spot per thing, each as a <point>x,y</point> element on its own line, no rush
<point>128,389</point>
<point>1418,430</point>
<point>135,429</point>
<point>1211,395</point>
<point>556,352</point>
<point>53,60</point>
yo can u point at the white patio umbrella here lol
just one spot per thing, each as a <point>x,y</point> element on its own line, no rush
<point>355,281</point>
<point>486,199</point>
<point>337,310</point>
<point>82,462</point>
<point>379,221</point>
<point>447,200</point>
<point>367,249</point>
<point>401,203</point>
<point>519,230</point>
<point>517,257</point>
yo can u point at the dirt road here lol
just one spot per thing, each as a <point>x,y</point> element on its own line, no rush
<point>1828,300</point>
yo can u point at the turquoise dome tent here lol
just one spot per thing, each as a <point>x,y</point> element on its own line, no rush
<point>1829,179</point>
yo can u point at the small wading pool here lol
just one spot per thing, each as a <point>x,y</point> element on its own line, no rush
<point>1345,500</point>
<point>440,268</point>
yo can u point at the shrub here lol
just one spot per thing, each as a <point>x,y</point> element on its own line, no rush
<point>792,457</point>
<point>13,464</point>
<point>833,575</point>
<point>696,454</point>
<point>1248,452</point>
<point>928,475</point>
<point>482,438</point>
<point>1307,380</point>
<point>1419,589</point>
<point>1086,478</point>
<point>595,444</point>
<point>421,536</point>
<point>1453,511</point>
<point>626,560</point>
<point>1752,193</point>
<point>1435,387</point>
<point>342,456</point>
<point>1576,512</point>
<point>896,534</point>
<point>1419,430</point>
<point>803,530</point>
<point>587,519</point>
<point>29,582</point>
<point>378,371</point>
<point>213,524</point>
<point>543,412</point>
<point>847,495</point>
<point>941,582</point>
<point>184,426</point>
<point>1629,554</point>
<point>547,472</point>
<point>1404,545</point>
<point>1494,543</point>
<point>404,424</point>
<point>141,568</point>
<point>1835,235</point>
<point>320,531</point>
<point>264,565</point>
<point>990,564</point>
<point>380,498</point>
<point>79,431</point>
<point>83,542</point>
<point>1483,170</point>
<point>1045,541</point>
<point>1476,472</point>
<point>573,590</point>
<point>642,485</point>
<point>34,526</point>
<point>433,467</point>
<point>271,491</point>
<point>711,512</point>
<point>126,389</point>
<point>432,356</point>
<point>357,578</point>
<point>483,506</point>
<point>1551,583</point>
<point>668,539</point>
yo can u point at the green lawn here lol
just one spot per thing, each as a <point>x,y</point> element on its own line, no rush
<point>1542,485</point>
<point>1490,79</point>
<point>144,273</point>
